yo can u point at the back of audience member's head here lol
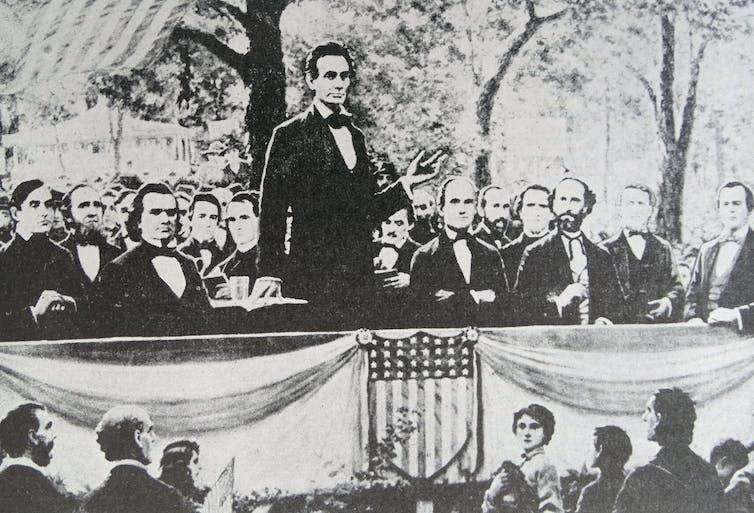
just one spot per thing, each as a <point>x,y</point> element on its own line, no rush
<point>247,196</point>
<point>542,415</point>
<point>613,447</point>
<point>729,456</point>
<point>677,415</point>
<point>116,432</point>
<point>15,427</point>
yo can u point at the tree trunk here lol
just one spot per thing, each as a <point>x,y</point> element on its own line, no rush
<point>491,87</point>
<point>266,80</point>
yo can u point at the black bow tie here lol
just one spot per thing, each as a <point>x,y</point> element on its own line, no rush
<point>207,244</point>
<point>338,120</point>
<point>461,236</point>
<point>391,246</point>
<point>154,251</point>
<point>640,233</point>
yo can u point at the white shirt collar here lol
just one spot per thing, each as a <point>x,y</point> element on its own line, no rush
<point>23,233</point>
<point>26,462</point>
<point>245,248</point>
<point>158,243</point>
<point>738,234</point>
<point>326,111</point>
<point>128,461</point>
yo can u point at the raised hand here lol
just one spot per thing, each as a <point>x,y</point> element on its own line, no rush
<point>420,171</point>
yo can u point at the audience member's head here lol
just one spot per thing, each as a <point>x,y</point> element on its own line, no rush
<point>424,206</point>
<point>123,206</point>
<point>154,217</point>
<point>184,203</point>
<point>27,431</point>
<point>457,203</point>
<point>735,202</point>
<point>533,426</point>
<point>612,448</point>
<point>204,216</point>
<point>83,209</point>
<point>494,207</point>
<point>728,457</point>
<point>533,209</point>
<point>636,204</point>
<point>571,201</point>
<point>126,432</point>
<point>670,417</point>
<point>31,206</point>
<point>223,196</point>
<point>180,468</point>
<point>6,221</point>
<point>242,219</point>
<point>385,173</point>
<point>396,227</point>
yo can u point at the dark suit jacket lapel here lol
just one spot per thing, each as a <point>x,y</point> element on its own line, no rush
<point>160,287</point>
<point>746,252</point>
<point>620,250</point>
<point>560,255</point>
<point>324,140</point>
<point>450,264</point>
<point>708,262</point>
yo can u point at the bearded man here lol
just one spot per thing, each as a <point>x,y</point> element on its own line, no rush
<point>565,278</point>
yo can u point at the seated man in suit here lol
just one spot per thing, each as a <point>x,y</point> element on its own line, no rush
<point>645,264</point>
<point>533,210</point>
<point>564,278</point>
<point>494,207</point>
<point>31,264</point>
<point>456,278</point>
<point>82,210</point>
<point>152,288</point>
<point>722,281</point>
<point>126,436</point>
<point>123,205</point>
<point>27,436</point>
<point>201,246</point>
<point>242,218</point>
<point>423,205</point>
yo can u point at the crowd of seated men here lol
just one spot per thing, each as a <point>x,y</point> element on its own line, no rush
<point>155,260</point>
<point>675,479</point>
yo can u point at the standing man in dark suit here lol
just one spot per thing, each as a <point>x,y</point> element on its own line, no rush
<point>676,480</point>
<point>533,210</point>
<point>565,278</point>
<point>722,282</point>
<point>32,264</point>
<point>126,436</point>
<point>152,288</point>
<point>456,278</point>
<point>494,208</point>
<point>645,264</point>
<point>27,436</point>
<point>317,165</point>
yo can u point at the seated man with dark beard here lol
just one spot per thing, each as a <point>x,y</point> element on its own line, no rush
<point>152,289</point>
<point>83,209</point>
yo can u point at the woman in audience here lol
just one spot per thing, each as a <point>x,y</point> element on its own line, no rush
<point>180,469</point>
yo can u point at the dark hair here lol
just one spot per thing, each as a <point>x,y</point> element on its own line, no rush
<point>385,167</point>
<point>14,428</point>
<point>249,196</point>
<point>541,415</point>
<point>678,415</point>
<point>123,194</point>
<point>589,197</point>
<point>519,202</point>
<point>207,198</point>
<point>615,446</point>
<point>444,186</point>
<point>482,197</point>
<point>645,189</point>
<point>67,205</point>
<point>22,191</point>
<point>115,432</point>
<point>134,217</point>
<point>176,458</point>
<point>747,192</point>
<point>736,453</point>
<point>323,49</point>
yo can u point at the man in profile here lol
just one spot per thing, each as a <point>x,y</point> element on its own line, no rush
<point>317,165</point>
<point>644,262</point>
<point>27,436</point>
<point>612,448</point>
<point>565,278</point>
<point>676,479</point>
<point>126,436</point>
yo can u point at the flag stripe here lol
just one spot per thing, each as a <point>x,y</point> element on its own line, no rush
<point>36,31</point>
<point>448,419</point>
<point>381,410</point>
<point>439,417</point>
<point>413,446</point>
<point>421,469</point>
<point>136,15</point>
<point>113,14</point>
<point>397,397</point>
<point>156,30</point>
<point>430,424</point>
<point>84,33</point>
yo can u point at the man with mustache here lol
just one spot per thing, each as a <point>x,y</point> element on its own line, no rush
<point>6,221</point>
<point>28,437</point>
<point>423,205</point>
<point>564,278</point>
<point>83,210</point>
<point>152,289</point>
<point>495,210</point>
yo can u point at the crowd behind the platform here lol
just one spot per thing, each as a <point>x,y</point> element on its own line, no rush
<point>674,480</point>
<point>153,259</point>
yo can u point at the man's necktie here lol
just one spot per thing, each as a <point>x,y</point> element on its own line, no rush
<point>338,120</point>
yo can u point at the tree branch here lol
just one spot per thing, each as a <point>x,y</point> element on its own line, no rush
<point>222,51</point>
<point>648,88</point>
<point>667,78</point>
<point>553,16</point>
<point>530,10</point>
<point>688,116</point>
<point>229,10</point>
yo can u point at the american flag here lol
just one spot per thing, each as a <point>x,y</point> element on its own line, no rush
<point>422,393</point>
<point>220,496</point>
<point>66,37</point>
